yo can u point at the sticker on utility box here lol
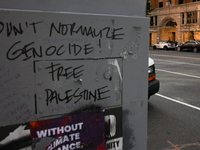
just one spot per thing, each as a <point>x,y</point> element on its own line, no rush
<point>113,122</point>
<point>81,131</point>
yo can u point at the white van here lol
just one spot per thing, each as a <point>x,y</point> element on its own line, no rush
<point>154,84</point>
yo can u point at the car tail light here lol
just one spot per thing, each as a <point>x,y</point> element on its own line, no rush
<point>152,77</point>
<point>168,44</point>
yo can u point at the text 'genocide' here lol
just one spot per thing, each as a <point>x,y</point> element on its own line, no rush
<point>35,49</point>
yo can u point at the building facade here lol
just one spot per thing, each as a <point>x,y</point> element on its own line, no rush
<point>177,20</point>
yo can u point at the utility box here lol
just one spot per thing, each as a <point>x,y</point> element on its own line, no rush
<point>73,75</point>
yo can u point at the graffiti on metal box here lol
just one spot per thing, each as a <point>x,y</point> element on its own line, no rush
<point>58,65</point>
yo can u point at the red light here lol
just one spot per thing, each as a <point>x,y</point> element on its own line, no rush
<point>152,77</point>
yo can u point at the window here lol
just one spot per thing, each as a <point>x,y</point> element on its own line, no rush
<point>151,21</point>
<point>192,17</point>
<point>160,4</point>
<point>180,2</point>
<point>156,20</point>
<point>189,17</point>
<point>191,42</point>
<point>148,4</point>
<point>182,18</point>
<point>171,24</point>
<point>148,7</point>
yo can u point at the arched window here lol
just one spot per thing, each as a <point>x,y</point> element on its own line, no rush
<point>171,24</point>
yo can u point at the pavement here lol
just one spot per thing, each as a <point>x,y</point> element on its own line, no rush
<point>150,47</point>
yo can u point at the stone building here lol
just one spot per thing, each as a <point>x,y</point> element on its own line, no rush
<point>177,20</point>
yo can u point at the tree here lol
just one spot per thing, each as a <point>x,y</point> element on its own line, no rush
<point>148,8</point>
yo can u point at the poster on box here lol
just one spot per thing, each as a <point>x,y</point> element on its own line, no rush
<point>89,131</point>
<point>84,131</point>
<point>113,127</point>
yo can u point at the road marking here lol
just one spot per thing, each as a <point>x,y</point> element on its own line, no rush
<point>175,56</point>
<point>181,146</point>
<point>178,73</point>
<point>171,99</point>
<point>177,62</point>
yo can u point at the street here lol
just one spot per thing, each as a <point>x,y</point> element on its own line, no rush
<point>174,112</point>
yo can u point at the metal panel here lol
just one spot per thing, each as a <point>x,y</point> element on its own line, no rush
<point>31,40</point>
<point>38,39</point>
<point>116,7</point>
<point>66,86</point>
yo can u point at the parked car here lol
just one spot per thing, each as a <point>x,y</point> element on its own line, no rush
<point>189,46</point>
<point>164,45</point>
<point>154,84</point>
